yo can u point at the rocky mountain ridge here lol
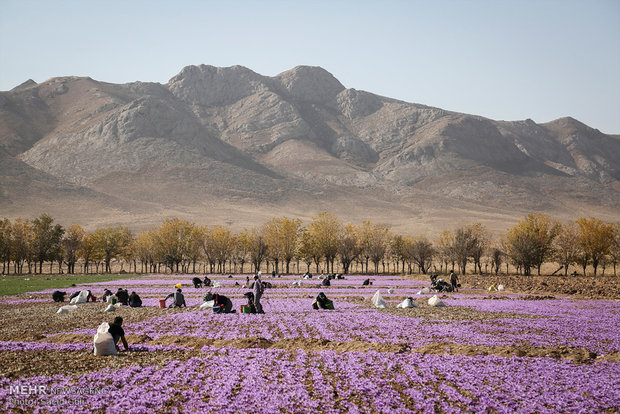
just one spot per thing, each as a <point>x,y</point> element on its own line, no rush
<point>232,145</point>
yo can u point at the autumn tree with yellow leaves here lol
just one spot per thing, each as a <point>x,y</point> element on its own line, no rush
<point>595,239</point>
<point>325,230</point>
<point>71,245</point>
<point>530,242</point>
<point>282,237</point>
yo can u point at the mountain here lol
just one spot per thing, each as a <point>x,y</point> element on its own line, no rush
<point>230,146</point>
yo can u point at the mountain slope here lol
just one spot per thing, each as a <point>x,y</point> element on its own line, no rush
<point>231,145</point>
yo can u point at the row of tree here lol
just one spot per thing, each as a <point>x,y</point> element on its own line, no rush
<point>180,245</point>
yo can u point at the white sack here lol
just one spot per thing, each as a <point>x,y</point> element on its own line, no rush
<point>110,308</point>
<point>207,305</point>
<point>435,301</point>
<point>81,298</point>
<point>378,301</point>
<point>67,309</point>
<point>424,291</point>
<point>103,341</point>
<point>500,287</point>
<point>407,303</point>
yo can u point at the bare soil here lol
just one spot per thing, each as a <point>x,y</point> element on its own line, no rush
<point>588,287</point>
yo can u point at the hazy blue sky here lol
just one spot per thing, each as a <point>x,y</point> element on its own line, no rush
<point>500,59</point>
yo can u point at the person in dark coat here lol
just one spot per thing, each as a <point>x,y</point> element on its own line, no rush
<point>454,281</point>
<point>134,300</point>
<point>207,282</point>
<point>118,333</point>
<point>197,282</point>
<point>221,303</point>
<point>59,296</point>
<point>321,302</point>
<point>123,296</point>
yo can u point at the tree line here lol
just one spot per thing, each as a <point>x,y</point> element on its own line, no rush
<point>325,243</point>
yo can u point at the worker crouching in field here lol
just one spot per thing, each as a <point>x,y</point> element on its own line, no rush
<point>123,296</point>
<point>250,305</point>
<point>221,303</point>
<point>58,296</point>
<point>118,333</point>
<point>321,302</point>
<point>134,300</point>
<point>178,299</point>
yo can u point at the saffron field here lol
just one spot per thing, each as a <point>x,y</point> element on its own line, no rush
<point>483,352</point>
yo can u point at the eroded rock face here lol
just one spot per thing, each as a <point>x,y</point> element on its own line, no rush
<point>311,84</point>
<point>211,86</point>
<point>355,104</point>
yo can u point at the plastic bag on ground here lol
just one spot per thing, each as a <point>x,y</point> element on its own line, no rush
<point>103,341</point>
<point>81,298</point>
<point>110,308</point>
<point>217,284</point>
<point>377,301</point>
<point>424,291</point>
<point>500,288</point>
<point>390,291</point>
<point>207,305</point>
<point>297,283</point>
<point>67,309</point>
<point>435,301</point>
<point>407,303</point>
<point>492,288</point>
